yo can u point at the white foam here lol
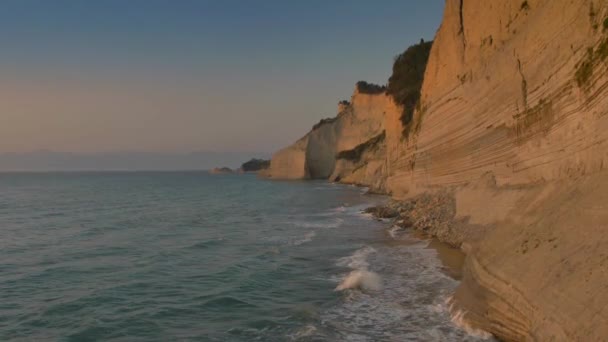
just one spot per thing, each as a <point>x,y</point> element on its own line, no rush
<point>459,319</point>
<point>335,223</point>
<point>360,279</point>
<point>395,232</point>
<point>307,238</point>
<point>358,260</point>
<point>306,331</point>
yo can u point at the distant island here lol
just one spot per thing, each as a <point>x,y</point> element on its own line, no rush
<point>221,171</point>
<point>254,165</point>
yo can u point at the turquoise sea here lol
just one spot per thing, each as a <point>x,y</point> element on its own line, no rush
<point>186,256</point>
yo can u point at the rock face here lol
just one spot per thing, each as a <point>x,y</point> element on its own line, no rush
<point>511,94</point>
<point>359,124</point>
<point>501,95</point>
<point>290,162</point>
<point>512,131</point>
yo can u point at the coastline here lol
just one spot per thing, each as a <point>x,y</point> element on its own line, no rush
<point>451,257</point>
<point>503,157</point>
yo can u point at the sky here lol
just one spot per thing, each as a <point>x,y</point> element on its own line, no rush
<point>115,76</point>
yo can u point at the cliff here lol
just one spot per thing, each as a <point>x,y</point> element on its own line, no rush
<point>323,153</point>
<point>511,129</point>
<point>515,92</point>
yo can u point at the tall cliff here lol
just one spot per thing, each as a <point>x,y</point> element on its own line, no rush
<point>512,87</point>
<point>512,123</point>
<point>517,92</point>
<point>348,148</point>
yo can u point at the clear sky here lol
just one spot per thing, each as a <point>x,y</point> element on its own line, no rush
<point>182,76</point>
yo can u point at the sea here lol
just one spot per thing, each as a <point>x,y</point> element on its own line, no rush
<point>188,256</point>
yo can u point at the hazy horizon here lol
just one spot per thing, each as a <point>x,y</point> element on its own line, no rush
<point>49,161</point>
<point>174,77</point>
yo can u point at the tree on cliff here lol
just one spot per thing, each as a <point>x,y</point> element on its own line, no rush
<point>369,88</point>
<point>408,73</point>
<point>254,165</point>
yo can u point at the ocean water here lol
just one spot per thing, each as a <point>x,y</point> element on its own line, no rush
<point>173,256</point>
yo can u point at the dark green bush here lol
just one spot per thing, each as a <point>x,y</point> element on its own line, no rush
<point>406,81</point>
<point>323,122</point>
<point>255,165</point>
<point>356,153</point>
<point>370,88</point>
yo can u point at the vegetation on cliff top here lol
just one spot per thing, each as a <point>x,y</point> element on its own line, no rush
<point>356,153</point>
<point>323,122</point>
<point>370,88</point>
<point>405,83</point>
<point>255,165</point>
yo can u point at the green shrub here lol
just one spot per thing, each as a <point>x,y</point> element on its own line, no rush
<point>323,122</point>
<point>408,74</point>
<point>605,24</point>
<point>356,153</point>
<point>370,88</point>
<point>255,165</point>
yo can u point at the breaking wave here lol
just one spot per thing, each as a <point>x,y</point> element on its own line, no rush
<point>459,319</point>
<point>360,279</point>
<point>307,238</point>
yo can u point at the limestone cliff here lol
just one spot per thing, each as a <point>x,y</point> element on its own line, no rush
<point>518,90</point>
<point>512,124</point>
<point>323,153</point>
<point>501,94</point>
<point>290,162</point>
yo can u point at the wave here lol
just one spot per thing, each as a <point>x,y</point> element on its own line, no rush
<point>304,332</point>
<point>335,223</point>
<point>226,302</point>
<point>358,260</point>
<point>458,318</point>
<point>339,209</point>
<point>307,238</point>
<point>207,243</point>
<point>396,232</point>
<point>361,279</point>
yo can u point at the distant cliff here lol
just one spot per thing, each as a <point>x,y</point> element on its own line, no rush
<point>509,121</point>
<point>323,153</point>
